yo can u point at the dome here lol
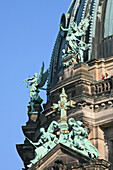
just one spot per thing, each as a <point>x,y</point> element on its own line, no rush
<point>108,25</point>
<point>98,34</point>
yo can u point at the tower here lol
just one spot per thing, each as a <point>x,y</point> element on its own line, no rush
<point>81,55</point>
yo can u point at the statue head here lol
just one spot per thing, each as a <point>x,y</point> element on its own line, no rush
<point>55,124</point>
<point>42,130</point>
<point>36,74</point>
<point>71,121</point>
<point>63,51</point>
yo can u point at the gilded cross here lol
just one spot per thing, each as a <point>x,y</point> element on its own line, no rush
<point>62,106</point>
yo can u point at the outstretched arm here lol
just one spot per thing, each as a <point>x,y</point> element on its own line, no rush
<point>63,29</point>
<point>27,80</point>
<point>35,144</point>
<point>30,141</point>
<point>42,88</point>
<point>38,143</point>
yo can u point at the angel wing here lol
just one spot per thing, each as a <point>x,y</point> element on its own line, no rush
<point>40,74</point>
<point>82,27</point>
<point>43,79</point>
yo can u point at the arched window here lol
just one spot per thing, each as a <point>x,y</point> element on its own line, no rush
<point>108,28</point>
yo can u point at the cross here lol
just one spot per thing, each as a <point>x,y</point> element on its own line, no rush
<point>62,106</point>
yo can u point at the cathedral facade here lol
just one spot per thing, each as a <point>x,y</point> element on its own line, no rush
<point>82,64</point>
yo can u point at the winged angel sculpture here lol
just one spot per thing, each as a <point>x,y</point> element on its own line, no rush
<point>74,45</point>
<point>36,83</point>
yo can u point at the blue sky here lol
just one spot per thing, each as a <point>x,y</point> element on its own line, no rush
<point>28,29</point>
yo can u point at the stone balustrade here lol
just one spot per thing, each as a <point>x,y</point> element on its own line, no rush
<point>103,86</point>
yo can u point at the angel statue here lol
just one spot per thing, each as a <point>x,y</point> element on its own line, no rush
<point>74,45</point>
<point>80,139</point>
<point>36,83</point>
<point>47,141</point>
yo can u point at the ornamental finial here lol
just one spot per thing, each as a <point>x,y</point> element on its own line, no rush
<point>62,106</point>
